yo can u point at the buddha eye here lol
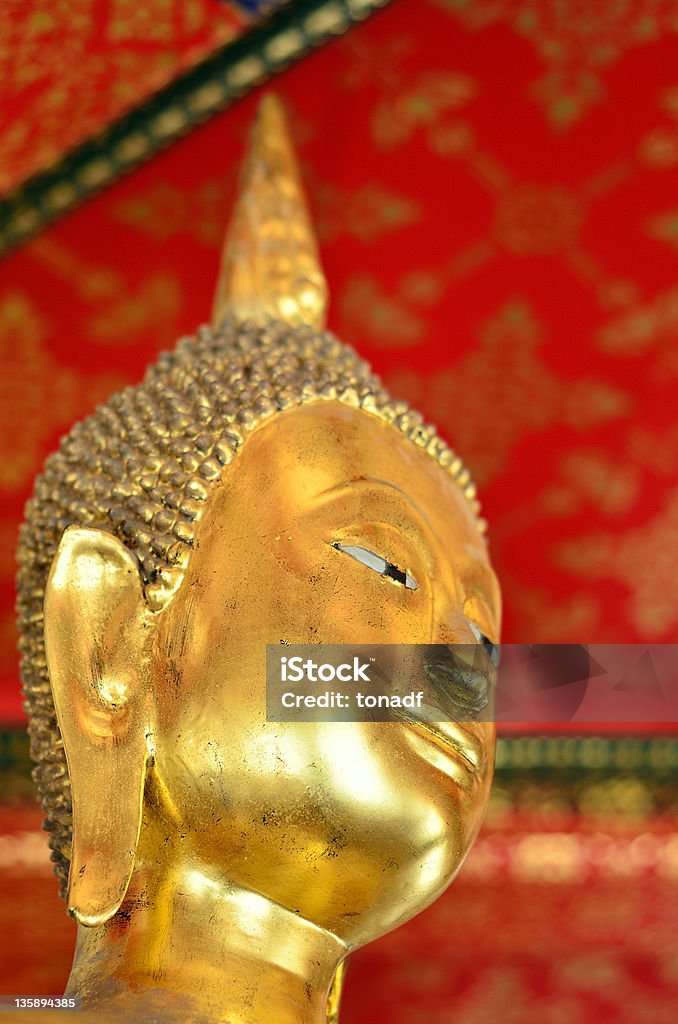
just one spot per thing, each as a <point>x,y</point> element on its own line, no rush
<point>378,564</point>
<point>491,648</point>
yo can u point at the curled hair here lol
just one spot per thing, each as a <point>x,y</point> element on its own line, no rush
<point>142,467</point>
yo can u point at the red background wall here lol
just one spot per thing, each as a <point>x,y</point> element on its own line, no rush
<point>494,184</point>
<point>495,192</point>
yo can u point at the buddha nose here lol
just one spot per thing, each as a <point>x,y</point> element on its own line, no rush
<point>452,626</point>
<point>462,679</point>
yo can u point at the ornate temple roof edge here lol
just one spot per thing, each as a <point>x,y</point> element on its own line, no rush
<point>209,87</point>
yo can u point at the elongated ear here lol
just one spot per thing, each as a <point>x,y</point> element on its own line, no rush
<point>97,633</point>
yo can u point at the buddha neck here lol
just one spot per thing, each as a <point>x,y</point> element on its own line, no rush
<point>188,945</point>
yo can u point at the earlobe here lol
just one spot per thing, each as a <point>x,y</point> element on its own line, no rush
<point>97,640</point>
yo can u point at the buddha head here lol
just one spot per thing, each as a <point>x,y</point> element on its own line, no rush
<point>205,513</point>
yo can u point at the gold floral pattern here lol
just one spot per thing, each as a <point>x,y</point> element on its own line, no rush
<point>502,391</point>
<point>577,40</point>
<point>645,560</point>
<point>67,67</point>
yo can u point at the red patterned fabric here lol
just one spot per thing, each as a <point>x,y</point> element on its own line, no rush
<point>69,67</point>
<point>494,185</point>
<point>550,922</point>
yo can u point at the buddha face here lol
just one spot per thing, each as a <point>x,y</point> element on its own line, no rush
<point>356,826</point>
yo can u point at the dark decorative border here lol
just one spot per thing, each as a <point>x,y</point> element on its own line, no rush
<point>600,776</point>
<point>232,71</point>
<point>627,777</point>
<point>648,755</point>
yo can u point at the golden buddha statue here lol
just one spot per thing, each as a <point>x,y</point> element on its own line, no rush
<point>221,867</point>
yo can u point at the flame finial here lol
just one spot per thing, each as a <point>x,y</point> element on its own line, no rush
<point>270,269</point>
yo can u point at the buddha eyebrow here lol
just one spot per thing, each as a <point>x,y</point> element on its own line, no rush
<point>378,564</point>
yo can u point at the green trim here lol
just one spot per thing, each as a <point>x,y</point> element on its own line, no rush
<point>231,72</point>
<point>654,757</point>
<point>539,757</point>
<point>16,782</point>
<point>622,775</point>
<point>625,778</point>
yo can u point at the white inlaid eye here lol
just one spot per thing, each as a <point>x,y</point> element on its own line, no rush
<point>491,648</point>
<point>378,564</point>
